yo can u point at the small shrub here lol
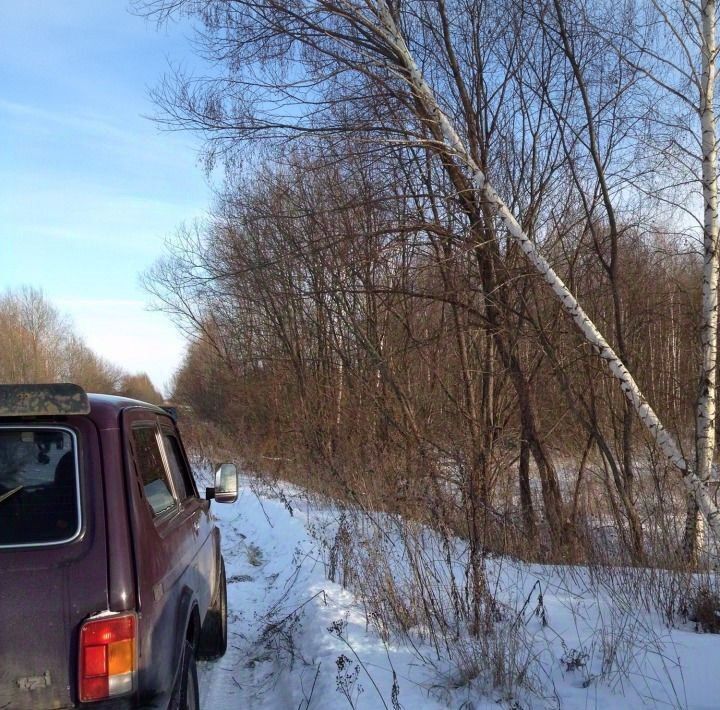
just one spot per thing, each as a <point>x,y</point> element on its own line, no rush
<point>346,679</point>
<point>706,610</point>
<point>574,659</point>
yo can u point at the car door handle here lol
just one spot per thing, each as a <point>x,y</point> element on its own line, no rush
<point>196,524</point>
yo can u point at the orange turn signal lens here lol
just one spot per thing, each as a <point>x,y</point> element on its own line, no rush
<point>121,657</point>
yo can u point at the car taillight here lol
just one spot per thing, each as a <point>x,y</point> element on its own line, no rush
<point>107,656</point>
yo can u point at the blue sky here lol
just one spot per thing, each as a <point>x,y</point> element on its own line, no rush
<point>89,187</point>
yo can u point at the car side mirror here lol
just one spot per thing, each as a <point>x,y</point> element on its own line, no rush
<point>226,484</point>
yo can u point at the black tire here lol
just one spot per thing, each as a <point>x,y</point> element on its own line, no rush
<point>187,695</point>
<point>213,637</point>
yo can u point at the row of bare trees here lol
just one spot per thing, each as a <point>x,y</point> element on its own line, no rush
<point>39,345</point>
<point>405,180</point>
<point>339,334</point>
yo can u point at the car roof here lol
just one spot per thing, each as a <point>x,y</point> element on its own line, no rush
<point>103,406</point>
<point>105,409</point>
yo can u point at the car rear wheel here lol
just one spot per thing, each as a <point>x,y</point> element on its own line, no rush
<point>213,637</point>
<point>187,695</point>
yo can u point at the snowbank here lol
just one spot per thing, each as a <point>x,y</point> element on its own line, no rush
<point>298,640</point>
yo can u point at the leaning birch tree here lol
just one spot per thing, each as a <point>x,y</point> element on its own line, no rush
<point>454,146</point>
<point>366,37</point>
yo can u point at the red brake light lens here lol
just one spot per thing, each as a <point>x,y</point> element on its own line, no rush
<point>107,657</point>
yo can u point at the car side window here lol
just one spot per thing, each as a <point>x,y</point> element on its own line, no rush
<point>180,473</point>
<point>151,468</point>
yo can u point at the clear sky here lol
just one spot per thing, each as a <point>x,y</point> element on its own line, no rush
<point>89,188</point>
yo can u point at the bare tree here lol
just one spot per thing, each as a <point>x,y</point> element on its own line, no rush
<point>332,41</point>
<point>39,345</point>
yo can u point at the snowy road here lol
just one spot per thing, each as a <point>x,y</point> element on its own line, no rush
<point>281,653</point>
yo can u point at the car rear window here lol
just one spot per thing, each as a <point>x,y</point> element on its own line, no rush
<point>39,499</point>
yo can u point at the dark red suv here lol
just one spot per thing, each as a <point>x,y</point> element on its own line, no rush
<point>111,578</point>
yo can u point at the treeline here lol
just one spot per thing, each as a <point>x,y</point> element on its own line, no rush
<point>343,337</point>
<point>362,315</point>
<point>38,345</point>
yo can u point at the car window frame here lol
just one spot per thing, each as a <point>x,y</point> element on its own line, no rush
<point>78,494</point>
<point>167,430</point>
<point>173,510</point>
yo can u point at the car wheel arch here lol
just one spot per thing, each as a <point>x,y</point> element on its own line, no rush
<point>188,627</point>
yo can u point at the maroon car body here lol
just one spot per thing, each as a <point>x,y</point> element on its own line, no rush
<point>101,523</point>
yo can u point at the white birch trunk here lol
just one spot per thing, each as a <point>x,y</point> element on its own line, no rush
<point>455,146</point>
<point>706,404</point>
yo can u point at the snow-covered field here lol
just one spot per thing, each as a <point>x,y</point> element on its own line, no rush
<point>299,641</point>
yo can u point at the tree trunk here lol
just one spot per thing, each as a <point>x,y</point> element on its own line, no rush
<point>705,412</point>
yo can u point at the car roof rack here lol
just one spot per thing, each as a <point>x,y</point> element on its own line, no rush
<point>43,400</point>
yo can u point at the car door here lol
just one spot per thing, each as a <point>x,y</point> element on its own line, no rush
<point>203,567</point>
<point>166,528</point>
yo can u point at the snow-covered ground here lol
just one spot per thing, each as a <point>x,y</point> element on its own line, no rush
<point>299,641</point>
<point>296,640</point>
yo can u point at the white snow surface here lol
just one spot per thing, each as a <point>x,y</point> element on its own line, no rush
<point>582,649</point>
